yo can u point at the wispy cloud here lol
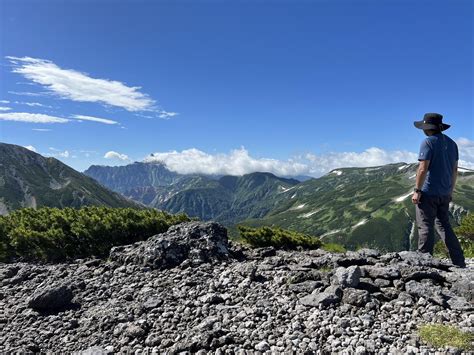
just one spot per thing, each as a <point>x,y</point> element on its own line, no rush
<point>30,147</point>
<point>114,155</point>
<point>94,119</point>
<point>167,115</point>
<point>26,93</point>
<point>31,117</point>
<point>57,153</point>
<point>41,129</point>
<point>4,102</point>
<point>32,104</point>
<point>4,108</point>
<point>78,86</point>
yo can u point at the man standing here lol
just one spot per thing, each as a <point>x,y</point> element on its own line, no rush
<point>435,180</point>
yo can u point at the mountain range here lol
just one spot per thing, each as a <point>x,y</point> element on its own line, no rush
<point>348,205</point>
<point>227,199</point>
<point>28,179</point>
<point>351,206</point>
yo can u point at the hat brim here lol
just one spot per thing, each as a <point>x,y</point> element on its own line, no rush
<point>424,126</point>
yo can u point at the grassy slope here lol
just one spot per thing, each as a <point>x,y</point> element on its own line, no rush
<point>333,205</point>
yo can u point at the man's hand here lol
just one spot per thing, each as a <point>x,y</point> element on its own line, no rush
<point>416,198</point>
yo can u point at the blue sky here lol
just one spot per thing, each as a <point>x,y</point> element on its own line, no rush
<point>292,87</point>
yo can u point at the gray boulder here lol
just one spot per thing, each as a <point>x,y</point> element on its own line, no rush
<point>427,291</point>
<point>381,272</point>
<point>330,295</point>
<point>355,297</point>
<point>194,242</point>
<point>51,298</point>
<point>347,277</point>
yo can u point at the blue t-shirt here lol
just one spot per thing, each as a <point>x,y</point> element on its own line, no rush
<point>442,152</point>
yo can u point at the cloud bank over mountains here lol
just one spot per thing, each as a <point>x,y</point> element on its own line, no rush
<point>239,161</point>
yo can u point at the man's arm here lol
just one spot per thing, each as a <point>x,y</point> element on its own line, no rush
<point>455,176</point>
<point>420,179</point>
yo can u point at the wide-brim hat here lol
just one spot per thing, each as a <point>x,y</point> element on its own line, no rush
<point>432,121</point>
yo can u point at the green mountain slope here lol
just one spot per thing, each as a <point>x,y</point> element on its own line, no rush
<point>352,206</point>
<point>361,206</point>
<point>231,198</point>
<point>28,179</point>
<point>227,199</point>
<point>136,175</point>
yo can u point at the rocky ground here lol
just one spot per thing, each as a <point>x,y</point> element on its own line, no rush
<point>190,290</point>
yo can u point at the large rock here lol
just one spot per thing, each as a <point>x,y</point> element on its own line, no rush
<point>427,291</point>
<point>195,242</point>
<point>330,295</point>
<point>464,287</point>
<point>381,272</point>
<point>347,277</point>
<point>51,298</point>
<point>355,297</point>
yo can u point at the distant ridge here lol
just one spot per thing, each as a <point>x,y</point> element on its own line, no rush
<point>347,205</point>
<point>27,179</point>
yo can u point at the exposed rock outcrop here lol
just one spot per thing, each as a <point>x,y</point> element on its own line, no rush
<point>191,289</point>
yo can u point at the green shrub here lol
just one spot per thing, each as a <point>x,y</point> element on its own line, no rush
<point>53,234</point>
<point>465,233</point>
<point>440,250</point>
<point>440,335</point>
<point>277,237</point>
<point>333,248</point>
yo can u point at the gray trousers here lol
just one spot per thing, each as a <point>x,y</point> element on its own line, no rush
<point>431,211</point>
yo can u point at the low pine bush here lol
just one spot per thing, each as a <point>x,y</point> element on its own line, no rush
<point>465,233</point>
<point>277,237</point>
<point>53,234</point>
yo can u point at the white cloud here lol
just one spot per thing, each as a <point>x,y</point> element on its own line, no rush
<point>239,162</point>
<point>4,102</point>
<point>373,156</point>
<point>94,119</point>
<point>41,129</point>
<point>31,117</point>
<point>114,155</point>
<point>4,108</point>
<point>25,93</point>
<point>30,147</point>
<point>32,104</point>
<point>167,115</point>
<point>77,86</point>
<point>58,154</point>
<point>466,153</point>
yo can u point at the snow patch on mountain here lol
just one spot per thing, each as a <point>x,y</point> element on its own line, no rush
<point>309,214</point>
<point>298,207</point>
<point>329,233</point>
<point>285,189</point>
<point>402,198</point>
<point>360,223</point>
